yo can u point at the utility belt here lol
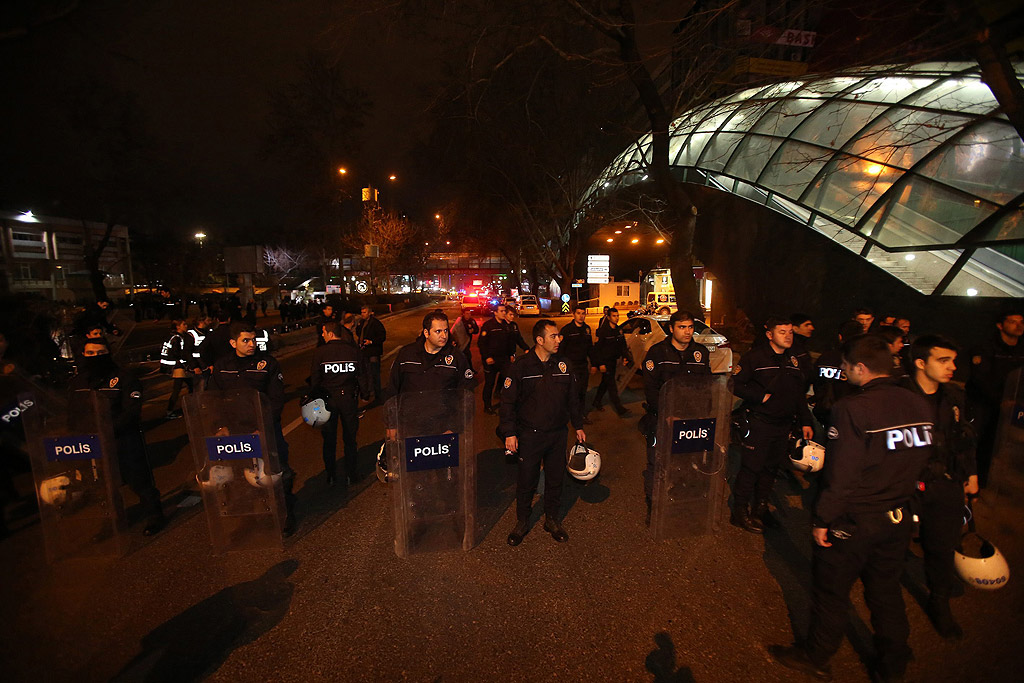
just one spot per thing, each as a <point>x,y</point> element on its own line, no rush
<point>846,526</point>
<point>936,470</point>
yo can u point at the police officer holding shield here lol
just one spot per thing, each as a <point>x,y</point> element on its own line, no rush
<point>879,441</point>
<point>336,372</point>
<point>122,390</point>
<point>675,355</point>
<point>243,369</point>
<point>772,387</point>
<point>950,473</point>
<point>539,396</point>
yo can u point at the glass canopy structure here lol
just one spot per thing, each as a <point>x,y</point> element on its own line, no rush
<point>913,168</point>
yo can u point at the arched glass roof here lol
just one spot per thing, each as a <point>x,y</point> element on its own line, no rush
<point>913,168</point>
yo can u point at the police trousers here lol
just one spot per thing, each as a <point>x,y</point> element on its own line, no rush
<point>609,385</point>
<point>536,447</point>
<point>493,374</point>
<point>875,554</point>
<point>762,453</point>
<point>941,506</point>
<point>582,374</point>
<point>137,473</point>
<point>344,410</point>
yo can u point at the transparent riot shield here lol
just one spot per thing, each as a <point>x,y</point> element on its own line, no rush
<point>75,467</point>
<point>690,456</point>
<point>1006,476</point>
<point>237,468</point>
<point>434,495</point>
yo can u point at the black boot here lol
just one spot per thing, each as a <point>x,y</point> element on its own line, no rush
<point>765,516</point>
<point>515,537</point>
<point>741,518</point>
<point>942,618</point>
<point>552,526</point>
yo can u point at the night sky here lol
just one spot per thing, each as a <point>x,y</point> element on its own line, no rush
<point>202,72</point>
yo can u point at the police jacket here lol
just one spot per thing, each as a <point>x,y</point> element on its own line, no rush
<point>762,371</point>
<point>803,357</point>
<point>990,365</point>
<point>322,320</point>
<point>664,361</point>
<point>337,370</point>
<point>540,396</point>
<point>494,341</point>
<point>217,345</point>
<point>193,347</point>
<point>879,442</point>
<point>577,343</point>
<point>416,370</point>
<point>463,331</point>
<point>371,334</point>
<point>514,338</point>
<point>830,385</point>
<point>953,435</point>
<point>172,355</point>
<point>610,345</point>
<point>262,373</point>
<point>122,391</point>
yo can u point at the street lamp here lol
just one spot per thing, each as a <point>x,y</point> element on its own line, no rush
<point>200,236</point>
<point>342,170</point>
<point>392,177</point>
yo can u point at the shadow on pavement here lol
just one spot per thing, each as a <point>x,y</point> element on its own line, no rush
<point>195,643</point>
<point>661,662</point>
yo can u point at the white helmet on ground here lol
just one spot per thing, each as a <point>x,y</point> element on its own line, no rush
<point>987,571</point>
<point>314,412</point>
<point>583,462</point>
<point>807,456</point>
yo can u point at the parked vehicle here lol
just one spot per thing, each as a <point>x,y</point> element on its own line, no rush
<point>528,305</point>
<point>644,331</point>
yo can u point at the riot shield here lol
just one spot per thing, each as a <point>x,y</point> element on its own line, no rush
<point>237,468</point>
<point>690,456</point>
<point>1006,476</point>
<point>434,495</point>
<point>75,466</point>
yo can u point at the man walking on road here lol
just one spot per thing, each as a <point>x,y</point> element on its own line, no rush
<point>371,335</point>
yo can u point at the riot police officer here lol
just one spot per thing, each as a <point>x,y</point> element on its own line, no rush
<point>950,473</point>
<point>245,369</point>
<point>494,350</point>
<point>577,344</point>
<point>217,344</point>
<point>879,441</point>
<point>675,355</point>
<point>123,392</point>
<point>803,328</point>
<point>371,335</point>
<point>771,385</point>
<point>430,363</point>
<point>610,347</point>
<point>326,318</point>
<point>538,398</point>
<point>828,379</point>
<point>336,372</point>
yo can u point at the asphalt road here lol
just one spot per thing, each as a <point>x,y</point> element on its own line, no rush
<point>337,604</point>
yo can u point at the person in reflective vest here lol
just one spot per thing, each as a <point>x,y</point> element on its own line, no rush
<point>174,361</point>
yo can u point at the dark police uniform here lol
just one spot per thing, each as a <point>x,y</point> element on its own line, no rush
<point>577,343</point>
<point>372,335</point>
<point>610,347</point>
<point>537,400</point>
<point>663,362</point>
<point>879,441</point>
<point>803,356</point>
<point>336,371</point>
<point>762,371</point>
<point>322,320</point>
<point>940,491</point>
<point>494,344</point>
<point>415,370</point>
<point>830,385</point>
<point>122,391</point>
<point>991,364</point>
<point>217,345</point>
<point>514,338</point>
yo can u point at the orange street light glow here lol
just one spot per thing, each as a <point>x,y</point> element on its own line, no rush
<point>342,171</point>
<point>618,232</point>
<point>437,216</point>
<point>874,169</point>
<point>636,240</point>
<point>610,239</point>
<point>392,177</point>
<point>660,240</point>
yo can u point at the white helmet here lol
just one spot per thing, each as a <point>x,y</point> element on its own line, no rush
<point>583,462</point>
<point>257,476</point>
<point>54,491</point>
<point>314,412</point>
<point>987,571</point>
<point>807,456</point>
<point>219,475</point>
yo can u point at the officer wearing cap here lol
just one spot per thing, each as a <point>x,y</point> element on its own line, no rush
<point>122,390</point>
<point>539,396</point>
<point>675,355</point>
<point>336,372</point>
<point>878,444</point>
<point>577,344</point>
<point>772,387</point>
<point>949,474</point>
<point>245,369</point>
<point>430,363</point>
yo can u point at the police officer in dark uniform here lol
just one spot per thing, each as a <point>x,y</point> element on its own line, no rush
<point>326,318</point>
<point>577,344</point>
<point>538,398</point>
<point>371,335</point>
<point>217,344</point>
<point>879,441</point>
<point>123,392</point>
<point>494,350</point>
<point>336,372</point>
<point>949,474</point>
<point>829,380</point>
<point>772,387</point>
<point>245,369</point>
<point>610,347</point>
<point>991,364</point>
<point>675,355</point>
<point>893,336</point>
<point>803,328</point>
<point>515,337</point>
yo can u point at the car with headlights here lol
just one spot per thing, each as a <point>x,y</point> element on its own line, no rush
<point>528,305</point>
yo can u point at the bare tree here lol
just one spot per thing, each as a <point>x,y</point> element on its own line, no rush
<point>283,261</point>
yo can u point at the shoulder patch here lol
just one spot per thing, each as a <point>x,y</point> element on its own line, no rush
<point>483,333</point>
<point>469,373</point>
<point>649,365</point>
<point>113,382</point>
<point>833,433</point>
<point>561,366</point>
<point>794,362</point>
<point>697,355</point>
<point>448,359</point>
<point>956,413</point>
<point>508,382</point>
<point>262,364</point>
